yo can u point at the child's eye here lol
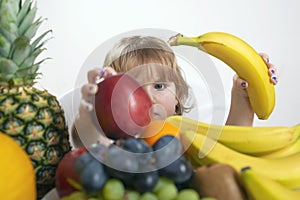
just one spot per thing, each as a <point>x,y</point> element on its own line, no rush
<point>159,86</point>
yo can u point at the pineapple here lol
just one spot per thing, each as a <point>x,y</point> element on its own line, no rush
<point>31,116</point>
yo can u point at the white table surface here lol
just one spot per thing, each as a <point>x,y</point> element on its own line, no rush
<point>51,195</point>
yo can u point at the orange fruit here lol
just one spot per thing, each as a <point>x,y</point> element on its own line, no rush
<point>157,129</point>
<point>17,177</point>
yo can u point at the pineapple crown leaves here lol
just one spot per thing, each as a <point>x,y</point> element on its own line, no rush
<point>18,50</point>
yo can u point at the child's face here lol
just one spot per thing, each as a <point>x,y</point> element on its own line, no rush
<point>163,97</point>
<point>161,92</point>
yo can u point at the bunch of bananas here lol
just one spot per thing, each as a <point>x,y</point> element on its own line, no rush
<point>272,153</point>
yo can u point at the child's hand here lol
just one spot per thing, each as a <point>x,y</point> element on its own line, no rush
<point>86,132</point>
<point>239,83</point>
<point>241,112</point>
<point>90,89</point>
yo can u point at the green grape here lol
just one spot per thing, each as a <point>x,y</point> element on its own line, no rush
<point>161,182</point>
<point>208,198</point>
<point>131,195</point>
<point>100,196</point>
<point>113,189</point>
<point>93,198</point>
<point>189,194</point>
<point>78,195</point>
<point>148,196</point>
<point>167,192</point>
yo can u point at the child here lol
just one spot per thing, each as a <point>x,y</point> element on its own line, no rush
<point>152,62</point>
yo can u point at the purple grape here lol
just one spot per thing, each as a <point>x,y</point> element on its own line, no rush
<point>167,149</point>
<point>139,148</point>
<point>93,176</point>
<point>145,182</point>
<point>135,145</point>
<point>82,161</point>
<point>179,171</point>
<point>121,164</point>
<point>99,151</point>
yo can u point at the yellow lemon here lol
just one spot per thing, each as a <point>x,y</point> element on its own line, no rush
<point>17,177</point>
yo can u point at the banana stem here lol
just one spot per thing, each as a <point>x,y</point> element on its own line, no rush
<point>179,39</point>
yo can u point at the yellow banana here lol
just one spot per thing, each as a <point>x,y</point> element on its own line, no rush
<point>243,59</point>
<point>260,187</point>
<point>245,139</point>
<point>204,150</point>
<point>291,149</point>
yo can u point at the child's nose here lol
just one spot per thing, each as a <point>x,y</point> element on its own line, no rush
<point>150,94</point>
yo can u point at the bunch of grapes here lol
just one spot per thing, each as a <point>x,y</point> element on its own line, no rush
<point>130,169</point>
<point>114,189</point>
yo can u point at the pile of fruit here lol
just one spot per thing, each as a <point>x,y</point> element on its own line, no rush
<point>195,160</point>
<point>187,160</point>
<point>128,169</point>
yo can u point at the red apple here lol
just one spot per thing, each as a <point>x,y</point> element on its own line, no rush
<point>122,106</point>
<point>65,171</point>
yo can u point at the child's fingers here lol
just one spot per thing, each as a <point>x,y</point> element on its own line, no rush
<point>85,108</point>
<point>274,78</point>
<point>88,92</point>
<point>108,71</point>
<point>265,57</point>
<point>94,75</point>
<point>272,68</point>
<point>239,83</point>
<point>273,74</point>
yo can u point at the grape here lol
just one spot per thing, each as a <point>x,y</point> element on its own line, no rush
<point>135,145</point>
<point>189,194</point>
<point>131,195</point>
<point>167,192</point>
<point>113,189</point>
<point>98,150</point>
<point>121,164</point>
<point>121,160</point>
<point>143,152</point>
<point>145,182</point>
<point>168,140</point>
<point>82,161</point>
<point>161,182</point>
<point>93,176</point>
<point>93,198</point>
<point>183,185</point>
<point>148,196</point>
<point>100,196</point>
<point>179,171</point>
<point>208,198</point>
<point>167,149</point>
<point>75,196</point>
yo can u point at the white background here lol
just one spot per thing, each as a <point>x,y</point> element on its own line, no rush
<point>80,26</point>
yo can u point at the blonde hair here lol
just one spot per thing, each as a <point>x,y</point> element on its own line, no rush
<point>147,51</point>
